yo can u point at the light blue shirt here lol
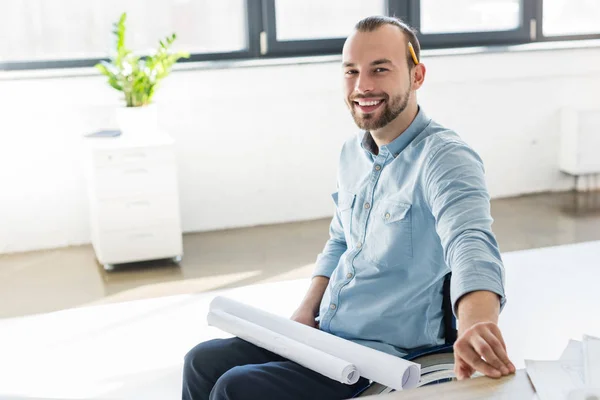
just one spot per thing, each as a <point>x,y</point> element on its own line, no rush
<point>406,215</point>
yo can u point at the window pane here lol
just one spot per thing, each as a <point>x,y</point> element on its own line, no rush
<point>572,17</point>
<point>68,29</point>
<point>443,16</point>
<point>318,19</point>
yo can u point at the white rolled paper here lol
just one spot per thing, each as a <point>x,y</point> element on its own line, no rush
<point>372,364</point>
<point>316,360</point>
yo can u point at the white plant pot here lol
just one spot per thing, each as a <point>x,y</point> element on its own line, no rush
<point>137,121</point>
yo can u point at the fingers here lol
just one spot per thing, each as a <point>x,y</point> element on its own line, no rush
<point>496,331</point>
<point>497,344</point>
<point>482,349</point>
<point>504,357</point>
<point>461,369</point>
<point>474,360</point>
<point>488,351</point>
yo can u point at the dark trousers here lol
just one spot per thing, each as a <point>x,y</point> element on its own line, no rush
<point>233,369</point>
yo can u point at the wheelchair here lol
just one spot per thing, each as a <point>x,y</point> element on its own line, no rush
<point>437,362</point>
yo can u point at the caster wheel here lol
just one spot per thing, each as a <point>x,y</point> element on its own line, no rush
<point>177,259</point>
<point>109,267</point>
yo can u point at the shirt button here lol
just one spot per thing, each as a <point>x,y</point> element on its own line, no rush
<point>377,167</point>
<point>387,215</point>
<point>332,306</point>
<point>367,206</point>
<point>349,275</point>
<point>358,245</point>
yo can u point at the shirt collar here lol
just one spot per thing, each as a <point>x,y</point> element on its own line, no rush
<point>401,142</point>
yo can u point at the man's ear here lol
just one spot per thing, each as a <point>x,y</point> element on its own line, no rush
<point>418,75</point>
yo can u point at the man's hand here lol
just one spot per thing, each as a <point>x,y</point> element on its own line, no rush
<point>309,307</point>
<point>304,316</point>
<point>481,348</point>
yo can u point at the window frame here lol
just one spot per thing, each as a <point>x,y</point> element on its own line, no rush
<point>272,47</point>
<point>530,30</point>
<point>540,37</point>
<point>520,35</point>
<point>253,28</point>
<point>261,37</point>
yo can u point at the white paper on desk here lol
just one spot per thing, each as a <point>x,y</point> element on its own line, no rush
<point>323,363</point>
<point>584,394</point>
<point>573,353</point>
<point>554,380</point>
<point>372,364</point>
<point>591,360</point>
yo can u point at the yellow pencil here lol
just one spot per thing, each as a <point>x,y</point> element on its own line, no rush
<point>412,53</point>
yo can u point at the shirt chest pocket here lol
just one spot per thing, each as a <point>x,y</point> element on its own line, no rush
<point>344,202</point>
<point>389,239</point>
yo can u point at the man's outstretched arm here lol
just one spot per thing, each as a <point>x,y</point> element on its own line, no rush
<point>460,203</point>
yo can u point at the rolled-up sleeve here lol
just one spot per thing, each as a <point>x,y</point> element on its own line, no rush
<point>335,247</point>
<point>459,201</point>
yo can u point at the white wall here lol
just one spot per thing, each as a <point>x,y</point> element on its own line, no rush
<point>260,145</point>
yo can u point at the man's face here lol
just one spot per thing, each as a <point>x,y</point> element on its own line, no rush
<point>376,76</point>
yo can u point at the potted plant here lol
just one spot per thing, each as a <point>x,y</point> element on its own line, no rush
<point>138,77</point>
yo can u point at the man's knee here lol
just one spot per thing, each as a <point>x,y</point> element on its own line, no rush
<point>200,357</point>
<point>237,383</point>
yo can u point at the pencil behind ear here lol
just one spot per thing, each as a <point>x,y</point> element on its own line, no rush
<point>412,53</point>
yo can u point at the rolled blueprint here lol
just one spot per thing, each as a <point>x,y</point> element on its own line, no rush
<point>372,364</point>
<point>316,360</point>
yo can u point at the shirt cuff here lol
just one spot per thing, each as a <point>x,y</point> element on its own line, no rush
<point>323,269</point>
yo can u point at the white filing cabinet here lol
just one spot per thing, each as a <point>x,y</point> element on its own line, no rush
<point>133,196</point>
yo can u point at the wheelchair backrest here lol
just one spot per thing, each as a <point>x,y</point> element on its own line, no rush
<point>449,320</point>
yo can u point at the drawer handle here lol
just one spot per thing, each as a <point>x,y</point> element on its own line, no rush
<point>136,171</point>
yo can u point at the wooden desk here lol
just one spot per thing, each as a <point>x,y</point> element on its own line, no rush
<point>517,386</point>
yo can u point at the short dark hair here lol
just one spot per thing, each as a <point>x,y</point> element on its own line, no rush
<point>370,24</point>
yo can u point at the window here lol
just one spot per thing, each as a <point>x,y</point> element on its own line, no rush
<point>81,29</point>
<point>77,33</point>
<point>318,19</point>
<point>460,23</point>
<point>571,17</point>
<point>311,27</point>
<point>442,16</point>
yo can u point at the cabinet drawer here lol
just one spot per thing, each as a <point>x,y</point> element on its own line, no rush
<point>106,158</point>
<point>128,181</point>
<point>136,212</point>
<point>138,245</point>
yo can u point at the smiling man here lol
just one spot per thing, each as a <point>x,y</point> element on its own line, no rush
<point>412,206</point>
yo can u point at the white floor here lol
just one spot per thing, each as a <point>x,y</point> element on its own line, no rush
<point>135,350</point>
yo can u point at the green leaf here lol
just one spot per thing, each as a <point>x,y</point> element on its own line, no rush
<point>115,84</point>
<point>138,77</point>
<point>103,70</point>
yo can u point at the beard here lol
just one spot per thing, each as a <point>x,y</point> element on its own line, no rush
<point>392,108</point>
